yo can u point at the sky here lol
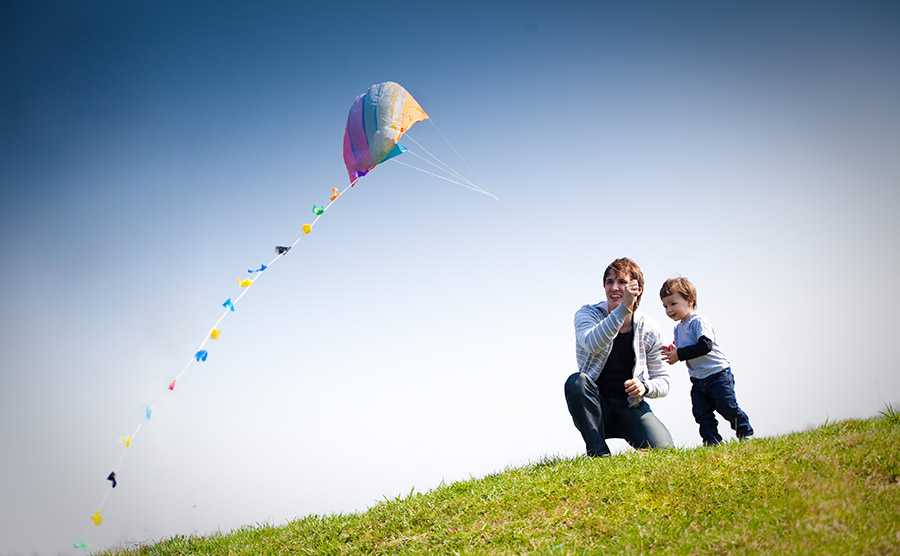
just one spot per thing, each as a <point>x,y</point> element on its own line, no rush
<point>152,152</point>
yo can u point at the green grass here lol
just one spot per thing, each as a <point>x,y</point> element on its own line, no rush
<point>831,490</point>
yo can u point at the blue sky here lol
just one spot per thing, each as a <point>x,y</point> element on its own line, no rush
<point>153,152</point>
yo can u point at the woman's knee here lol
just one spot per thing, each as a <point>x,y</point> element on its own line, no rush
<point>656,432</point>
<point>575,384</point>
<point>662,440</point>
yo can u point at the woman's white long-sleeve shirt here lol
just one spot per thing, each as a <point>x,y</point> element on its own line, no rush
<point>595,329</point>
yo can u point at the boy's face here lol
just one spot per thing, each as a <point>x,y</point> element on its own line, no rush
<point>677,307</point>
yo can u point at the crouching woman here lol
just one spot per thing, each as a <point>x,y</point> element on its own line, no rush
<point>620,363</point>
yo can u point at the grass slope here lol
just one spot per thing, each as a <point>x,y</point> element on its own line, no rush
<point>831,490</point>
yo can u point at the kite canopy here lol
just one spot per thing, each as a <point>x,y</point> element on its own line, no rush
<point>377,120</point>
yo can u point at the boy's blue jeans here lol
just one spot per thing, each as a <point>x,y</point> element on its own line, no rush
<point>598,418</point>
<point>716,393</point>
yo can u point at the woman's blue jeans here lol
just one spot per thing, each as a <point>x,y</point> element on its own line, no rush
<point>598,418</point>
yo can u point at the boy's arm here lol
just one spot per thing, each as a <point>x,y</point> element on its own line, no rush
<point>703,346</point>
<point>594,335</point>
<point>701,330</point>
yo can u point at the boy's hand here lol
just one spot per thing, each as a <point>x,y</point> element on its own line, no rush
<point>632,290</point>
<point>634,387</point>
<point>670,354</point>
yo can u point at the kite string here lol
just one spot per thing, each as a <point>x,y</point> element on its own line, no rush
<point>247,290</point>
<point>268,266</point>
<point>261,274</point>
<point>119,466</point>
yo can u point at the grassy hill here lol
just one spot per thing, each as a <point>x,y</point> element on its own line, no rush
<point>831,490</point>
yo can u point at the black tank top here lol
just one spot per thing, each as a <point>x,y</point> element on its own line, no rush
<point>619,367</point>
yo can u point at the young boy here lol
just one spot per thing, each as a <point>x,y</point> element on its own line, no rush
<point>695,344</point>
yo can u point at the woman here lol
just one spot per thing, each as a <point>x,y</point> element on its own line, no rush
<point>619,364</point>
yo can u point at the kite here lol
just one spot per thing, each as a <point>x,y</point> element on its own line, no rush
<point>377,120</point>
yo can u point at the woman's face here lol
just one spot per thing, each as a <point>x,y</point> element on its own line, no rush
<point>614,284</point>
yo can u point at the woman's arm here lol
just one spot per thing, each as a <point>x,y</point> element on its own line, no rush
<point>595,335</point>
<point>657,382</point>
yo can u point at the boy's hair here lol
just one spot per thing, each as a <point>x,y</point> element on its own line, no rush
<point>683,287</point>
<point>630,268</point>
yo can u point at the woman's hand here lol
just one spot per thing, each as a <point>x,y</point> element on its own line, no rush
<point>634,387</point>
<point>632,291</point>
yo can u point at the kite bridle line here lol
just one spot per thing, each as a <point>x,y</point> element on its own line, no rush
<point>448,143</point>
<point>155,401</point>
<point>441,165</point>
<point>424,171</point>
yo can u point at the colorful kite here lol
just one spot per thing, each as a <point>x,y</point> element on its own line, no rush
<point>377,120</point>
